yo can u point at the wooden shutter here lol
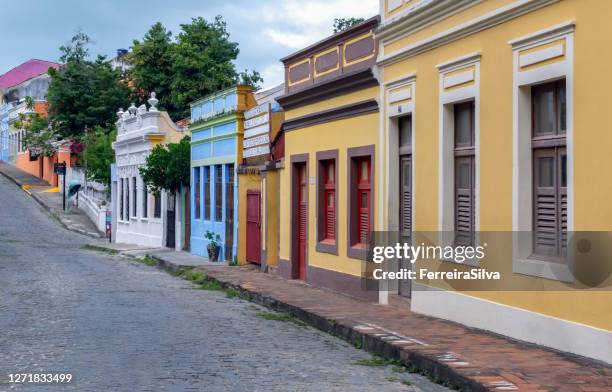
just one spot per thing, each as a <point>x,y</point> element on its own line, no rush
<point>464,198</point>
<point>546,212</point>
<point>549,170</point>
<point>405,195</point>
<point>363,199</point>
<point>465,173</point>
<point>330,199</point>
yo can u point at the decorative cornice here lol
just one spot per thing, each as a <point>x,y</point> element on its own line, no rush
<point>483,22</point>
<point>352,110</point>
<point>419,16</point>
<point>546,34</point>
<point>460,62</point>
<point>332,88</point>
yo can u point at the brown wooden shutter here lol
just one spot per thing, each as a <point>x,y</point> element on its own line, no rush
<point>464,198</point>
<point>546,202</point>
<point>465,173</point>
<point>406,195</point>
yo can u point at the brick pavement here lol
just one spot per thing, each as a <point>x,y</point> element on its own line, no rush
<point>466,358</point>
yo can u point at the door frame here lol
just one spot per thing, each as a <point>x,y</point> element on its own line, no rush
<point>253,192</point>
<point>295,161</point>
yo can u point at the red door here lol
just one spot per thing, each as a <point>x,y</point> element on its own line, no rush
<point>301,222</point>
<point>253,235</point>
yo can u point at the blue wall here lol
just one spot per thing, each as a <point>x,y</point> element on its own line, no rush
<point>213,153</point>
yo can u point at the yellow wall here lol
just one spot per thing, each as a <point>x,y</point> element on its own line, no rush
<point>272,219</point>
<point>592,137</point>
<point>342,134</point>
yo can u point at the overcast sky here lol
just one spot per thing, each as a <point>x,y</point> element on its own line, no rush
<point>266,29</point>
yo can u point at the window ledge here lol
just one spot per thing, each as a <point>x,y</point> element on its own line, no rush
<point>358,251</point>
<point>327,246</point>
<point>532,266</point>
<point>473,262</point>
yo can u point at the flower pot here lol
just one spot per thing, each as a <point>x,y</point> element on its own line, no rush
<point>213,252</point>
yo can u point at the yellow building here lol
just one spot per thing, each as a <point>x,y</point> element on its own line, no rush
<point>258,182</point>
<point>497,110</point>
<point>328,199</point>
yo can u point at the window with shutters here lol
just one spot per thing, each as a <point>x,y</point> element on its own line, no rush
<point>327,200</point>
<point>549,165</point>
<point>360,200</point>
<point>207,193</point>
<point>464,202</point>
<point>157,205</point>
<point>405,176</point>
<point>127,200</point>
<point>134,198</point>
<point>120,197</point>
<point>218,193</point>
<point>197,193</point>
<point>145,201</point>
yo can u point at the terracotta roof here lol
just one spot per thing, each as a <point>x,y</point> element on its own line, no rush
<point>184,123</point>
<point>28,70</point>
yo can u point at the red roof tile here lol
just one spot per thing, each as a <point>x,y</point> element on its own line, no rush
<point>28,70</point>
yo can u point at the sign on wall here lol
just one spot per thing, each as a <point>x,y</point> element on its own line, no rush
<point>256,142</point>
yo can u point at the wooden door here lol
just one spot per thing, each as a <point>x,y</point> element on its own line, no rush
<point>300,213</point>
<point>253,234</point>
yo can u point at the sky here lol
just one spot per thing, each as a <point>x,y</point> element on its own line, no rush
<point>266,30</point>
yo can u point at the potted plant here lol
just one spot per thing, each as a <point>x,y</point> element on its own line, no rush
<point>213,245</point>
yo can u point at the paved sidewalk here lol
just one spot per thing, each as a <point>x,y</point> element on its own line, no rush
<point>51,199</point>
<point>465,358</point>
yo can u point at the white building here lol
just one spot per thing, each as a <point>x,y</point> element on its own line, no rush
<point>143,218</point>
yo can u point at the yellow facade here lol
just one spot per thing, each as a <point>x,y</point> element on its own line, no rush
<point>259,175</point>
<point>554,40</point>
<point>330,136</point>
<point>331,114</point>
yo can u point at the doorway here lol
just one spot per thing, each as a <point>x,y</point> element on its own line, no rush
<point>253,235</point>
<point>299,220</point>
<point>170,221</point>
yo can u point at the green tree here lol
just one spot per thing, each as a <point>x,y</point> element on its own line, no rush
<point>152,66</point>
<point>203,62</point>
<point>168,167</point>
<point>39,137</point>
<point>341,24</point>
<point>98,154</point>
<point>84,94</point>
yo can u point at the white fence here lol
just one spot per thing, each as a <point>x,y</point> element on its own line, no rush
<point>93,197</point>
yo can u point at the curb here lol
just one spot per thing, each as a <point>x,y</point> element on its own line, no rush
<point>47,208</point>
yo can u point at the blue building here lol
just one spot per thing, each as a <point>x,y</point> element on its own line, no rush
<point>217,124</point>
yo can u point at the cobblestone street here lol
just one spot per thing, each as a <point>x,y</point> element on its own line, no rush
<point>118,325</point>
